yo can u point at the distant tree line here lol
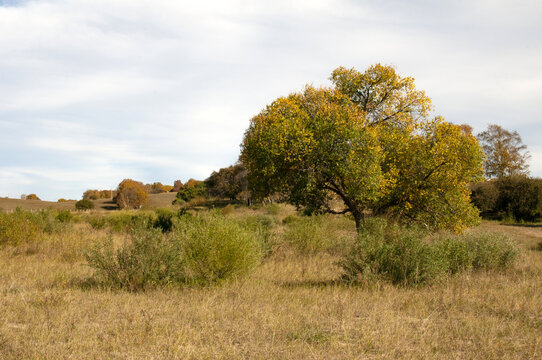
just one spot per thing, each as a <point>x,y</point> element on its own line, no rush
<point>508,192</point>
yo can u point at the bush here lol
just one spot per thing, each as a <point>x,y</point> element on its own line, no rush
<point>393,253</point>
<point>164,220</point>
<point>491,251</point>
<point>97,221</point>
<point>201,250</point>
<point>84,204</point>
<point>26,227</point>
<point>147,260</point>
<point>216,248</point>
<point>188,193</point>
<point>64,216</point>
<point>19,227</point>
<point>400,255</point>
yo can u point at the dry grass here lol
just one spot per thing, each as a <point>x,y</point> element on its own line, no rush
<point>162,200</point>
<point>50,310</point>
<point>11,204</point>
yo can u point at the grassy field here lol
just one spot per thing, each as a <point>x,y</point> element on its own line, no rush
<point>290,306</point>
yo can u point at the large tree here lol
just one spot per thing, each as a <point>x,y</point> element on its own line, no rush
<point>368,142</point>
<point>506,154</point>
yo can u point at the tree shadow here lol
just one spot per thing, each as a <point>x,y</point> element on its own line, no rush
<point>109,205</point>
<point>532,225</point>
<point>310,283</point>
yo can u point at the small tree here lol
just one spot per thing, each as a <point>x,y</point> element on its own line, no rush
<point>227,182</point>
<point>188,192</point>
<point>506,155</point>
<point>84,204</point>
<point>131,194</point>
<point>177,185</point>
<point>32,197</point>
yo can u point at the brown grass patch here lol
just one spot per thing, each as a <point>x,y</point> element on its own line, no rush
<point>49,309</point>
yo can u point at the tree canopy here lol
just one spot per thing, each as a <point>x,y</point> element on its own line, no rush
<point>131,194</point>
<point>228,182</point>
<point>506,155</point>
<point>369,142</point>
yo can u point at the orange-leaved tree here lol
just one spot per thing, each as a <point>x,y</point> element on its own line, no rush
<point>131,194</point>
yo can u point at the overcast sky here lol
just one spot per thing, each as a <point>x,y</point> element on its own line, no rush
<point>95,91</point>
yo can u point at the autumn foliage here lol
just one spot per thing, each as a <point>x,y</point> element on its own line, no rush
<point>32,197</point>
<point>93,194</point>
<point>368,141</point>
<point>131,194</point>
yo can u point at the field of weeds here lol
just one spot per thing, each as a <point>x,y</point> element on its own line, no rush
<point>84,286</point>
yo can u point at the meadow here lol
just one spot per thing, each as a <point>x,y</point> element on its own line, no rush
<point>290,300</point>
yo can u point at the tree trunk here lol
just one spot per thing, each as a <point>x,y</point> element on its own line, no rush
<point>359,218</point>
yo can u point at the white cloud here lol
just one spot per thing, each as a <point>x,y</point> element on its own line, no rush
<point>93,91</point>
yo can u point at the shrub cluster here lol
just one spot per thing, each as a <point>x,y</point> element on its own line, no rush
<point>406,256</point>
<point>123,221</point>
<point>191,190</point>
<point>84,204</point>
<point>515,197</point>
<point>312,234</point>
<point>199,251</point>
<point>22,226</point>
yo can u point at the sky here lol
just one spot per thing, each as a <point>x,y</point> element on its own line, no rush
<point>96,91</point>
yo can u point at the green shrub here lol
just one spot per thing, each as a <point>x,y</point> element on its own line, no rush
<point>97,221</point>
<point>455,252</point>
<point>84,204</point>
<point>201,250</point>
<point>188,193</point>
<point>396,254</point>
<point>491,251</point>
<point>130,221</point>
<point>147,260</point>
<point>19,227</point>
<point>123,221</point>
<point>64,216</point>
<point>164,219</point>
<point>216,248</point>
<point>406,256</point>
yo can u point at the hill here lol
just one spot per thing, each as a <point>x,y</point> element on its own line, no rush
<point>155,201</point>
